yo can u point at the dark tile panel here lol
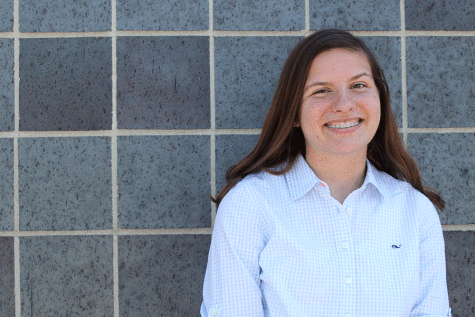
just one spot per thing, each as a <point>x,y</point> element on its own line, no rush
<point>452,15</point>
<point>7,278</point>
<point>280,15</point>
<point>6,16</point>
<point>149,15</point>
<point>230,149</point>
<point>369,15</point>
<point>65,15</point>
<point>7,87</point>
<point>162,275</point>
<point>440,77</point>
<point>65,183</point>
<point>66,276</point>
<point>460,255</point>
<point>388,52</point>
<point>446,163</point>
<point>65,84</point>
<point>164,182</point>
<point>6,185</point>
<point>163,82</point>
<point>247,71</point>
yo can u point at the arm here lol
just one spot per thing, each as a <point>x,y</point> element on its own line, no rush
<point>232,285</point>
<point>432,298</point>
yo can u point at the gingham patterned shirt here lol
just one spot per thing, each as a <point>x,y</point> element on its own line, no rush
<point>282,246</point>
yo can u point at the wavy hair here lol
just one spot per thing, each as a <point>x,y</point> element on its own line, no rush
<point>280,142</point>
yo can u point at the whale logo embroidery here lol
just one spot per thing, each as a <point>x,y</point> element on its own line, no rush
<point>396,246</point>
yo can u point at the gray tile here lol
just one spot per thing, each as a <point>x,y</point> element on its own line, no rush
<point>388,52</point>
<point>6,185</point>
<point>164,182</point>
<point>369,15</point>
<point>162,275</point>
<point>247,71</point>
<point>7,88</point>
<point>452,15</point>
<point>6,16</point>
<point>149,15</point>
<point>446,163</point>
<point>66,276</point>
<point>65,183</point>
<point>230,149</point>
<point>65,84</point>
<point>163,82</point>
<point>460,255</point>
<point>7,280</point>
<point>262,15</point>
<point>440,77</point>
<point>65,15</point>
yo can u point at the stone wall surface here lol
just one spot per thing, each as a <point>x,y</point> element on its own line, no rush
<point>121,117</point>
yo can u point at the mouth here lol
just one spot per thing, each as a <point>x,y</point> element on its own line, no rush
<point>344,125</point>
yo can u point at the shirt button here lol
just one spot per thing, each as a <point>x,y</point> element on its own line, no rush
<point>214,312</point>
<point>345,245</point>
<point>348,280</point>
<point>349,210</point>
<point>347,315</point>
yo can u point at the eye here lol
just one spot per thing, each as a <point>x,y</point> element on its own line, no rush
<point>359,85</point>
<point>321,91</point>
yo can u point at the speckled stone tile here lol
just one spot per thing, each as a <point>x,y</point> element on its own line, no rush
<point>6,16</point>
<point>66,276</point>
<point>7,278</point>
<point>162,275</point>
<point>65,183</point>
<point>65,84</point>
<point>65,15</point>
<point>247,70</point>
<point>388,52</point>
<point>279,15</point>
<point>369,15</point>
<point>163,82</point>
<point>460,255</point>
<point>452,15</point>
<point>149,15</point>
<point>446,163</point>
<point>6,185</point>
<point>440,77</point>
<point>230,149</point>
<point>7,87</point>
<point>164,182</point>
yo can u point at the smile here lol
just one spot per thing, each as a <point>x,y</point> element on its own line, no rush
<point>344,125</point>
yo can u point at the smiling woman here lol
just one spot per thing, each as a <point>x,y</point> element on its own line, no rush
<point>308,222</point>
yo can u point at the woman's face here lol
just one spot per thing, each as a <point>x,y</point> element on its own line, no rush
<point>340,109</point>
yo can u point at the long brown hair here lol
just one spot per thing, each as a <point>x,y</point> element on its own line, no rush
<point>280,142</point>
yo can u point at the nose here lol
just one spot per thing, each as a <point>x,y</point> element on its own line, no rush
<point>343,102</point>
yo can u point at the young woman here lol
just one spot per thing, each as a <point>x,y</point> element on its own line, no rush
<point>327,216</point>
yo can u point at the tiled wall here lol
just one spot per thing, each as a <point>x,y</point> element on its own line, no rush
<point>120,117</point>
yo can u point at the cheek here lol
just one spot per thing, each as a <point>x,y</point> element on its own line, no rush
<point>314,110</point>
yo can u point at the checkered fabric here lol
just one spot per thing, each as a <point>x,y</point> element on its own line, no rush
<point>282,246</point>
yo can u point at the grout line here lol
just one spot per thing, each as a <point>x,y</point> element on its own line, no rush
<point>403,72</point>
<point>109,133</point>
<point>16,191</point>
<point>307,16</point>
<point>115,246</point>
<point>106,232</point>
<point>28,35</point>
<point>212,97</point>
<point>458,227</point>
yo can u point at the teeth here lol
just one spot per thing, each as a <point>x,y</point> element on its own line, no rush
<point>344,125</point>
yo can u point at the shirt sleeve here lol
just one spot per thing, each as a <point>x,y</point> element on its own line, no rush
<point>232,284</point>
<point>433,297</point>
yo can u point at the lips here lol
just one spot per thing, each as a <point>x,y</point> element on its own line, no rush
<point>343,124</point>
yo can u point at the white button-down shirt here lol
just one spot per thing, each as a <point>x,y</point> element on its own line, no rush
<point>282,246</point>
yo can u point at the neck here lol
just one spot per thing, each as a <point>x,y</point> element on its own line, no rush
<point>342,173</point>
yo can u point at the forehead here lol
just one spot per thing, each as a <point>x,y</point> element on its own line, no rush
<point>339,62</point>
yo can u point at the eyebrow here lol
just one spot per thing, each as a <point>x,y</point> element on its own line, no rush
<point>326,83</point>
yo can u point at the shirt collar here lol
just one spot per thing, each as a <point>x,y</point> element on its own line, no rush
<point>301,179</point>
